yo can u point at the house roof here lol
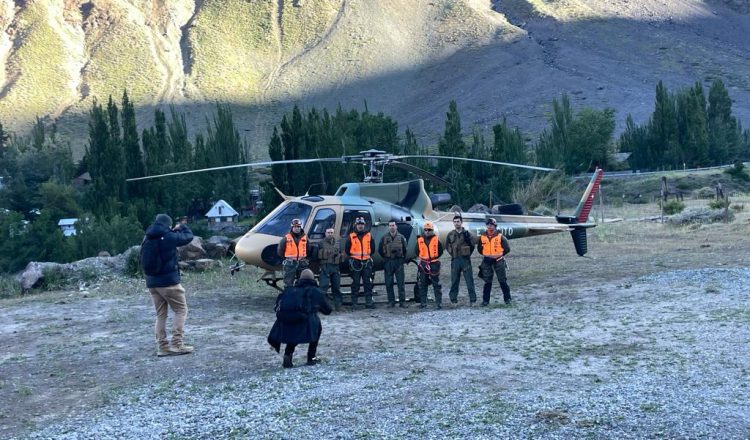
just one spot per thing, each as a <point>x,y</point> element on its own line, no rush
<point>67,221</point>
<point>221,209</point>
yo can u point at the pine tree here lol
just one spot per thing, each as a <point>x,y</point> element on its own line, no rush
<point>451,143</point>
<point>663,126</point>
<point>723,129</point>
<point>131,148</point>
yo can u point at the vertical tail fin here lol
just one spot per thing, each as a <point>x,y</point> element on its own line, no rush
<point>587,201</point>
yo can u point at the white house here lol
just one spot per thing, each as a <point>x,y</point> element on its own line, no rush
<point>220,213</point>
<point>68,226</point>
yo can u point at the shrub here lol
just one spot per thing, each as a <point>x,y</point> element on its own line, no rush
<point>673,207</point>
<point>705,193</point>
<point>738,171</point>
<point>718,204</point>
<point>133,264</point>
<point>737,207</point>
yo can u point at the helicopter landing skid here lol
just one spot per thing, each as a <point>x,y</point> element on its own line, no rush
<point>276,282</point>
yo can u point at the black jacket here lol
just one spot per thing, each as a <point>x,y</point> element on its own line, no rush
<point>305,331</point>
<point>169,275</point>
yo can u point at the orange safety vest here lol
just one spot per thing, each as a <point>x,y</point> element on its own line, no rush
<point>360,250</point>
<point>293,250</point>
<point>428,254</point>
<point>492,247</point>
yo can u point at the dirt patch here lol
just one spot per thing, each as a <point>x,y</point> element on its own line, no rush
<point>650,303</point>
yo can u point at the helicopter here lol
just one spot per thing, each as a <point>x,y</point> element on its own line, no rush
<point>407,203</point>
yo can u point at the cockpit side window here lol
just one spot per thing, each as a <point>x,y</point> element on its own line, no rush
<point>279,224</point>
<point>347,221</point>
<point>325,218</point>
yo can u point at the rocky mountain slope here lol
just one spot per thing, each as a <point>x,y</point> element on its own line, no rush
<point>406,58</point>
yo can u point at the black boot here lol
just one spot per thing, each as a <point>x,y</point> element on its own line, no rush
<point>287,361</point>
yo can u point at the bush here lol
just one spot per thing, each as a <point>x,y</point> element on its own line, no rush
<point>9,286</point>
<point>738,171</point>
<point>673,207</point>
<point>705,193</point>
<point>718,204</point>
<point>133,264</point>
<point>737,207</point>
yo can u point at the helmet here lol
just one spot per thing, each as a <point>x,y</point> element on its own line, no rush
<point>492,221</point>
<point>428,225</point>
<point>296,222</point>
<point>360,221</point>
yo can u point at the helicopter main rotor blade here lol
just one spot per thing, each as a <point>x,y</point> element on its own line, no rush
<point>420,172</point>
<point>491,162</point>
<point>242,165</point>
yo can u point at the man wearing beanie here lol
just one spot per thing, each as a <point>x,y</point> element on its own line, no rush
<point>297,320</point>
<point>159,249</point>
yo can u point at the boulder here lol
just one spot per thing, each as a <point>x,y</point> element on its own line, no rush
<point>193,250</point>
<point>479,207</point>
<point>33,274</point>
<point>217,246</point>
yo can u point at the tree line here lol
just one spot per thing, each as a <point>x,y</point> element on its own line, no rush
<point>685,129</point>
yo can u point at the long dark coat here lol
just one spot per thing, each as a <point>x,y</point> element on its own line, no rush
<point>307,330</point>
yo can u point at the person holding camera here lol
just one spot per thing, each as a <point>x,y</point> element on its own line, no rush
<point>460,244</point>
<point>159,264</point>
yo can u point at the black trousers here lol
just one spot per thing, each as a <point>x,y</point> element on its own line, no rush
<point>312,349</point>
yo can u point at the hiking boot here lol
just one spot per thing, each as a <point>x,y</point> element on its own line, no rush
<point>164,351</point>
<point>391,305</point>
<point>287,363</point>
<point>337,307</point>
<point>485,304</point>
<point>370,306</point>
<point>422,306</point>
<point>439,306</point>
<point>180,349</point>
<point>403,305</point>
<point>473,304</point>
<point>313,361</point>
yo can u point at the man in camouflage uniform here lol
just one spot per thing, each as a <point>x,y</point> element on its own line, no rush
<point>329,254</point>
<point>392,248</point>
<point>293,249</point>
<point>460,244</point>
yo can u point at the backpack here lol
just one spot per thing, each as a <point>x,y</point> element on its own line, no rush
<point>151,261</point>
<point>291,306</point>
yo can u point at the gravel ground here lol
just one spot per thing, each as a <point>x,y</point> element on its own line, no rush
<point>661,356</point>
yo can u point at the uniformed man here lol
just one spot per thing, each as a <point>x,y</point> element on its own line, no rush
<point>329,254</point>
<point>460,244</point>
<point>429,250</point>
<point>358,248</point>
<point>392,248</point>
<point>293,249</point>
<point>494,247</point>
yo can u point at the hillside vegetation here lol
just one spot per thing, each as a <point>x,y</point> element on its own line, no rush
<point>405,58</point>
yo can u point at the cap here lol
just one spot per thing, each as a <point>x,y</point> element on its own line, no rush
<point>296,222</point>
<point>428,225</point>
<point>164,219</point>
<point>307,274</point>
<point>360,221</point>
<point>491,221</point>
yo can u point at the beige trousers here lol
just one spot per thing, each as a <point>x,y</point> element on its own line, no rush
<point>174,297</point>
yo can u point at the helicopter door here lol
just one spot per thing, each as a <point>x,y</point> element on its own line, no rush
<point>347,220</point>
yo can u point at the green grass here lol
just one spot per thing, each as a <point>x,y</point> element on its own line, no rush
<point>43,86</point>
<point>231,52</point>
<point>120,56</point>
<point>303,26</point>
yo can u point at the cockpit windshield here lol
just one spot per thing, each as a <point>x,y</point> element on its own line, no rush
<point>279,223</point>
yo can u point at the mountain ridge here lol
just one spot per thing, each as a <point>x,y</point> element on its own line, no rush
<point>408,59</point>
